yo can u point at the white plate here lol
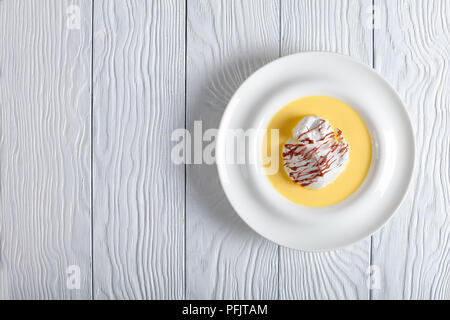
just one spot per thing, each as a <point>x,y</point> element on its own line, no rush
<point>365,211</point>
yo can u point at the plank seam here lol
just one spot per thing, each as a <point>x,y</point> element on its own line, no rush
<point>371,237</point>
<point>279,56</point>
<point>185,144</point>
<point>92,150</point>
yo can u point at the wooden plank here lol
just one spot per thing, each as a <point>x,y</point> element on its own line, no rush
<point>342,27</point>
<point>412,50</point>
<point>227,41</point>
<point>138,192</point>
<point>45,141</point>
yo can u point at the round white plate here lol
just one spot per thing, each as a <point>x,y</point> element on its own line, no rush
<point>364,212</point>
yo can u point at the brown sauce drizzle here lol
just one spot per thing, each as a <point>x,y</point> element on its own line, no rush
<point>311,166</point>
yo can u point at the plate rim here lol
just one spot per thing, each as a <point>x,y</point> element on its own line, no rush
<point>373,72</point>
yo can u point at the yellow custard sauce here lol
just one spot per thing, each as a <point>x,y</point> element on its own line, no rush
<point>340,116</point>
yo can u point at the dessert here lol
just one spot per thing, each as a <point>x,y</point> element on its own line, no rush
<point>346,140</point>
<point>316,154</point>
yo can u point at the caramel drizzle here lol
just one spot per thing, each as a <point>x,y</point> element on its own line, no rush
<point>301,171</point>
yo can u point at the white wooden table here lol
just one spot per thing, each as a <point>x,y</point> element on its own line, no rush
<point>90,93</point>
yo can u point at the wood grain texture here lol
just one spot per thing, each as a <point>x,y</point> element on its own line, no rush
<point>412,50</point>
<point>227,41</point>
<point>45,141</point>
<point>342,27</point>
<point>138,192</point>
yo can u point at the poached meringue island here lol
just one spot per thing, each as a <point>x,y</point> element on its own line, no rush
<point>316,155</point>
<point>320,167</point>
